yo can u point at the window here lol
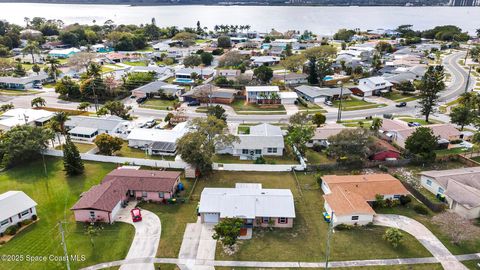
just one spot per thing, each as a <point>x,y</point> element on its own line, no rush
<point>396,196</point>
<point>26,212</point>
<point>429,182</point>
<point>441,190</point>
<point>282,220</point>
<point>245,151</point>
<point>265,220</point>
<point>92,214</point>
<point>3,223</point>
<point>258,151</point>
<point>144,194</point>
<point>272,150</point>
<point>161,195</point>
<point>354,217</point>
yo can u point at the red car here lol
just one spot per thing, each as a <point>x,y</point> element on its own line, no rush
<point>136,215</point>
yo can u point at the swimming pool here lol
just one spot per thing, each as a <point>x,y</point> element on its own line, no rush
<point>328,78</point>
<point>181,80</point>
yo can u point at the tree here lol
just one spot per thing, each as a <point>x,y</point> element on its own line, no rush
<point>324,68</point>
<point>192,60</point>
<point>36,68</point>
<point>394,236</point>
<point>384,47</point>
<point>6,107</point>
<point>344,34</point>
<point>432,83</point>
<point>224,42</point>
<point>319,119</point>
<point>31,48</point>
<point>231,59</point>
<point>217,111</point>
<point>83,106</point>
<point>406,87</point>
<point>299,132</point>
<point>198,146</point>
<point>422,144</point>
<point>72,162</point>
<point>293,63</point>
<point>23,143</point>
<point>38,102</point>
<point>228,231</point>
<point>462,116</point>
<point>207,58</point>
<point>458,229</point>
<point>376,124</point>
<point>68,88</point>
<point>19,71</point>
<point>346,149</point>
<point>52,67</point>
<point>107,144</point>
<point>81,60</point>
<point>115,108</point>
<point>312,71</point>
<point>263,73</point>
<point>186,38</point>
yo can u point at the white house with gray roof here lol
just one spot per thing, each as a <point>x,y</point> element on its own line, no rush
<point>372,86</point>
<point>461,188</point>
<point>86,128</point>
<point>316,94</point>
<point>255,205</point>
<point>155,87</point>
<point>15,207</point>
<point>22,83</point>
<point>19,116</point>
<point>263,140</point>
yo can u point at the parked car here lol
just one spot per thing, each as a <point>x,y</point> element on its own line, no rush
<point>38,86</point>
<point>136,215</point>
<point>328,103</point>
<point>465,144</point>
<point>401,104</point>
<point>194,103</point>
<point>132,96</point>
<point>150,123</point>
<point>414,124</point>
<point>141,100</point>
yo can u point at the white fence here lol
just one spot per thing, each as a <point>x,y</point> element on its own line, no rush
<point>257,167</point>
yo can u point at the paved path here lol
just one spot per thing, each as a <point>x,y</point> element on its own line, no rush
<point>424,236</point>
<point>146,240</point>
<point>198,246</point>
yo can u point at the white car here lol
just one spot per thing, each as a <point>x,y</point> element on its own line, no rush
<point>467,145</point>
<point>328,103</point>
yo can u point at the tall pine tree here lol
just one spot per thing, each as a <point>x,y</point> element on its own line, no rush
<point>72,162</point>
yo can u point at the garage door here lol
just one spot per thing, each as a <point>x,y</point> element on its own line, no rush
<point>211,217</point>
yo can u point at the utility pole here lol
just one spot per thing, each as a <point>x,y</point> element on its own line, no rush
<point>329,235</point>
<point>94,94</point>
<point>67,259</point>
<point>339,115</point>
<point>468,79</point>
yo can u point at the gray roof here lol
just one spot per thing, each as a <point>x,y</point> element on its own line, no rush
<point>82,130</point>
<point>156,86</point>
<point>313,91</point>
<point>401,77</point>
<point>163,146</point>
<point>103,123</point>
<point>14,202</point>
<point>266,130</point>
<point>261,136</point>
<point>23,80</point>
<point>156,69</point>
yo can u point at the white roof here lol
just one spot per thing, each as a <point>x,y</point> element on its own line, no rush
<point>21,116</point>
<point>64,51</point>
<point>265,59</point>
<point>159,135</point>
<point>284,95</point>
<point>266,88</point>
<point>14,202</point>
<point>247,201</point>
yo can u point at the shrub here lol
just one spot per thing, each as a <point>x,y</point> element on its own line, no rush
<point>405,199</point>
<point>26,222</point>
<point>383,168</point>
<point>12,230</point>
<point>394,236</point>
<point>2,242</point>
<point>369,225</point>
<point>420,209</point>
<point>260,160</point>
<point>318,147</point>
<point>34,217</point>
<point>343,227</point>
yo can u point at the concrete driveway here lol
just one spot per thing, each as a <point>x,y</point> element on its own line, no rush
<point>146,239</point>
<point>424,236</point>
<point>198,247</point>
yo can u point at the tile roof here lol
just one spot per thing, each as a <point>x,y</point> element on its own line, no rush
<point>344,202</point>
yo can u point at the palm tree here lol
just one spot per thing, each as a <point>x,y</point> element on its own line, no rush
<point>27,21</point>
<point>31,48</point>
<point>247,27</point>
<point>38,102</point>
<point>274,97</point>
<point>52,67</point>
<point>377,124</point>
<point>478,32</point>
<point>216,28</point>
<point>58,124</point>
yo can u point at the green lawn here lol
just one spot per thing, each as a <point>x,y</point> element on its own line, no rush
<point>55,194</point>
<point>472,265</point>
<point>421,121</point>
<point>127,151</point>
<point>448,152</point>
<point>107,69</point>
<point>137,63</point>
<point>400,97</point>
<point>9,92</point>
<point>249,108</point>
<point>357,123</point>
<point>307,239</point>
<point>243,130</point>
<point>314,157</point>
<point>356,104</point>
<point>158,104</point>
<point>285,159</point>
<point>435,266</point>
<point>82,147</point>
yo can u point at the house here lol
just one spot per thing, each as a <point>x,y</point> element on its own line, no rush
<point>255,205</point>
<point>22,83</point>
<point>288,98</point>
<point>154,88</point>
<point>348,198</point>
<point>229,73</point>
<point>207,93</point>
<point>291,78</point>
<point>102,202</point>
<point>321,134</point>
<point>63,53</point>
<point>264,60</point>
<point>262,94</point>
<point>115,57</point>
<point>263,140</point>
<point>372,86</point>
<point>382,150</point>
<point>159,71</point>
<point>459,187</point>
<point>398,131</point>
<point>157,141</point>
<point>184,75</point>
<point>16,207</point>
<point>86,128</point>
<point>18,116</point>
<point>316,94</point>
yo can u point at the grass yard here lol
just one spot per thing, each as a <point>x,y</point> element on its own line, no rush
<point>315,157</point>
<point>472,265</point>
<point>55,194</point>
<point>226,158</point>
<point>448,152</point>
<point>435,266</point>
<point>8,92</point>
<point>307,239</point>
<point>357,123</point>
<point>400,97</point>
<point>82,147</point>
<point>249,108</point>
<point>356,104</point>
<point>107,69</point>
<point>127,151</point>
<point>158,104</point>
<point>421,121</point>
<point>136,63</point>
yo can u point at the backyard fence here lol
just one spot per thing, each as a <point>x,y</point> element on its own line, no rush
<point>435,207</point>
<point>367,164</point>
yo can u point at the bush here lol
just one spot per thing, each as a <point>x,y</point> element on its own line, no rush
<point>383,168</point>
<point>34,217</point>
<point>420,209</point>
<point>12,230</point>
<point>405,199</point>
<point>318,147</point>
<point>260,160</point>
<point>343,227</point>
<point>26,222</point>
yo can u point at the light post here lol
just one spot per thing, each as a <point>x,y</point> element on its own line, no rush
<point>468,79</point>
<point>339,115</point>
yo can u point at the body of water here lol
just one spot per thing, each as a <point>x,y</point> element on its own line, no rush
<point>323,20</point>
